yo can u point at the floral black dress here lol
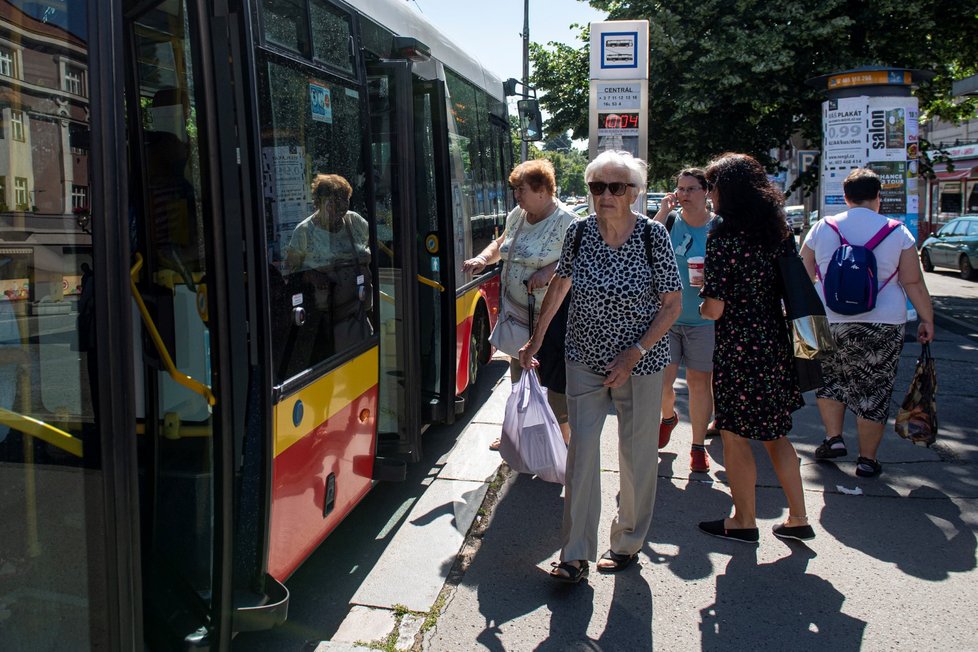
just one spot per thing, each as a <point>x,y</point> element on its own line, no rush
<point>754,386</point>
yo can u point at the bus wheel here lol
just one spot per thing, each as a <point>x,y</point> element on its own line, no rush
<point>485,349</point>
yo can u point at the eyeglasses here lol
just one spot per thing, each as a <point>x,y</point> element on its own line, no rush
<point>690,189</point>
<point>617,188</point>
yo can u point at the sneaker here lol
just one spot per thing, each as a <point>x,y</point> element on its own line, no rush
<point>666,427</point>
<point>830,448</point>
<point>699,461</point>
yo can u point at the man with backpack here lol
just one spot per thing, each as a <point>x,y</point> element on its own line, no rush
<point>866,267</point>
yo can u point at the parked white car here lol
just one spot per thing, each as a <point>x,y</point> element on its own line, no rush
<point>795,216</point>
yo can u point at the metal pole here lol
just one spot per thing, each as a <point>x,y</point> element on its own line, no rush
<point>524,147</point>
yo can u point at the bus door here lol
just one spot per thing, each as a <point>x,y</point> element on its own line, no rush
<point>407,127</point>
<point>436,199</point>
<point>400,419</point>
<point>183,338</point>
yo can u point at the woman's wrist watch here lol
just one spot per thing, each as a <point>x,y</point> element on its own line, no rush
<point>641,349</point>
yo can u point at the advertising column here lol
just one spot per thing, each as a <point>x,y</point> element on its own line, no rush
<point>870,120</point>
<point>619,90</point>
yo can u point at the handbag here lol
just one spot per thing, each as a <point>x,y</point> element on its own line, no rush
<point>917,418</point>
<point>512,329</point>
<point>531,441</point>
<point>811,336</point>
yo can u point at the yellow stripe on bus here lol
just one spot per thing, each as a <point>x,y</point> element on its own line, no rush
<point>324,398</point>
<point>465,305</point>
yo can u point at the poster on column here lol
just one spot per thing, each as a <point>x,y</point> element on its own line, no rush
<point>843,148</point>
<point>892,149</point>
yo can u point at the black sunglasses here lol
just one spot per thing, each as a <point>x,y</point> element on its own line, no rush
<point>617,188</point>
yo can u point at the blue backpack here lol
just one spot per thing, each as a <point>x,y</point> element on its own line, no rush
<point>850,284</point>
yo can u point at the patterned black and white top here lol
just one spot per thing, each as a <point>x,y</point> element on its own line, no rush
<point>615,294</point>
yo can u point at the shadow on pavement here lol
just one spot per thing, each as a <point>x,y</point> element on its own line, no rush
<point>755,600</point>
<point>941,542</point>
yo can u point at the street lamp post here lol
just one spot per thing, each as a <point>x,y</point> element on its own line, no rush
<point>524,148</point>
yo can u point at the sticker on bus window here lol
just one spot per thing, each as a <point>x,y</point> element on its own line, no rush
<point>321,103</point>
<point>15,289</point>
<point>296,300</point>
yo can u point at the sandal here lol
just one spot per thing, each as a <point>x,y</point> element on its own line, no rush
<point>830,448</point>
<point>867,468</point>
<point>494,446</point>
<point>574,573</point>
<point>619,561</point>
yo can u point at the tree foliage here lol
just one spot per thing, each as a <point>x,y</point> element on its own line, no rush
<point>730,74</point>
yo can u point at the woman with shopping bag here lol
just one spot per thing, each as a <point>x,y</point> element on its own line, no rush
<point>529,248</point>
<point>626,296</point>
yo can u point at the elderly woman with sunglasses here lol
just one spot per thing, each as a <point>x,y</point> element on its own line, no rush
<point>626,296</point>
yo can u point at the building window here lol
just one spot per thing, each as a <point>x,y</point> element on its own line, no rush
<point>20,193</point>
<point>3,194</point>
<point>79,197</point>
<point>74,80</point>
<point>7,65</point>
<point>17,125</point>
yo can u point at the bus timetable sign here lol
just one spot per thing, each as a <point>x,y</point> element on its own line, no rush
<point>619,94</point>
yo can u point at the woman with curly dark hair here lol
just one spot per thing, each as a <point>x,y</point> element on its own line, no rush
<point>754,387</point>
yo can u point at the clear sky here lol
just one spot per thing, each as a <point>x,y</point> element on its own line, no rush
<point>490,29</point>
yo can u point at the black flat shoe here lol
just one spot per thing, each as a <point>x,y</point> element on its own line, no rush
<point>798,532</point>
<point>574,573</point>
<point>620,561</point>
<point>716,529</point>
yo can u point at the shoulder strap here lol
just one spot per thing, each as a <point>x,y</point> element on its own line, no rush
<point>647,239</point>
<point>578,236</point>
<point>834,226</point>
<point>888,228</point>
<point>670,221</point>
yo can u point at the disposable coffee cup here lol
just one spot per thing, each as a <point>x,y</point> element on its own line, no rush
<point>695,265</point>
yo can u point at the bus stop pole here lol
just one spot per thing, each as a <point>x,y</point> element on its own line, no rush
<point>524,147</point>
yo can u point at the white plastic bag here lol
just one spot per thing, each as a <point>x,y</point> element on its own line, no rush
<point>531,441</point>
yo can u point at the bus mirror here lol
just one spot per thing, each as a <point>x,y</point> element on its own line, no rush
<point>531,122</point>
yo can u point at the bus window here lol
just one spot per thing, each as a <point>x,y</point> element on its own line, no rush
<point>51,480</point>
<point>284,23</point>
<point>319,254</point>
<point>331,36</point>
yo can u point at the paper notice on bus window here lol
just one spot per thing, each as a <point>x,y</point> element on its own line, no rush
<point>321,103</point>
<point>15,289</point>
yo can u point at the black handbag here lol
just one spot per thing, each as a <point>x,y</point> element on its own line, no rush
<point>808,326</point>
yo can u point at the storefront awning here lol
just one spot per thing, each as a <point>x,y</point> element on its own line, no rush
<point>957,175</point>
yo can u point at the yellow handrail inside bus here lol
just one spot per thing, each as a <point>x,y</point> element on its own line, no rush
<point>435,284</point>
<point>43,431</point>
<point>171,369</point>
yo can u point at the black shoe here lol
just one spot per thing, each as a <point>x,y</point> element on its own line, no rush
<point>798,532</point>
<point>830,448</point>
<point>716,529</point>
<point>867,468</point>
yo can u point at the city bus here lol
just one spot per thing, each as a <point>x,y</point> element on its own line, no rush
<point>232,298</point>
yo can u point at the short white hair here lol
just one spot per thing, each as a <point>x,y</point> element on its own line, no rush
<point>636,167</point>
